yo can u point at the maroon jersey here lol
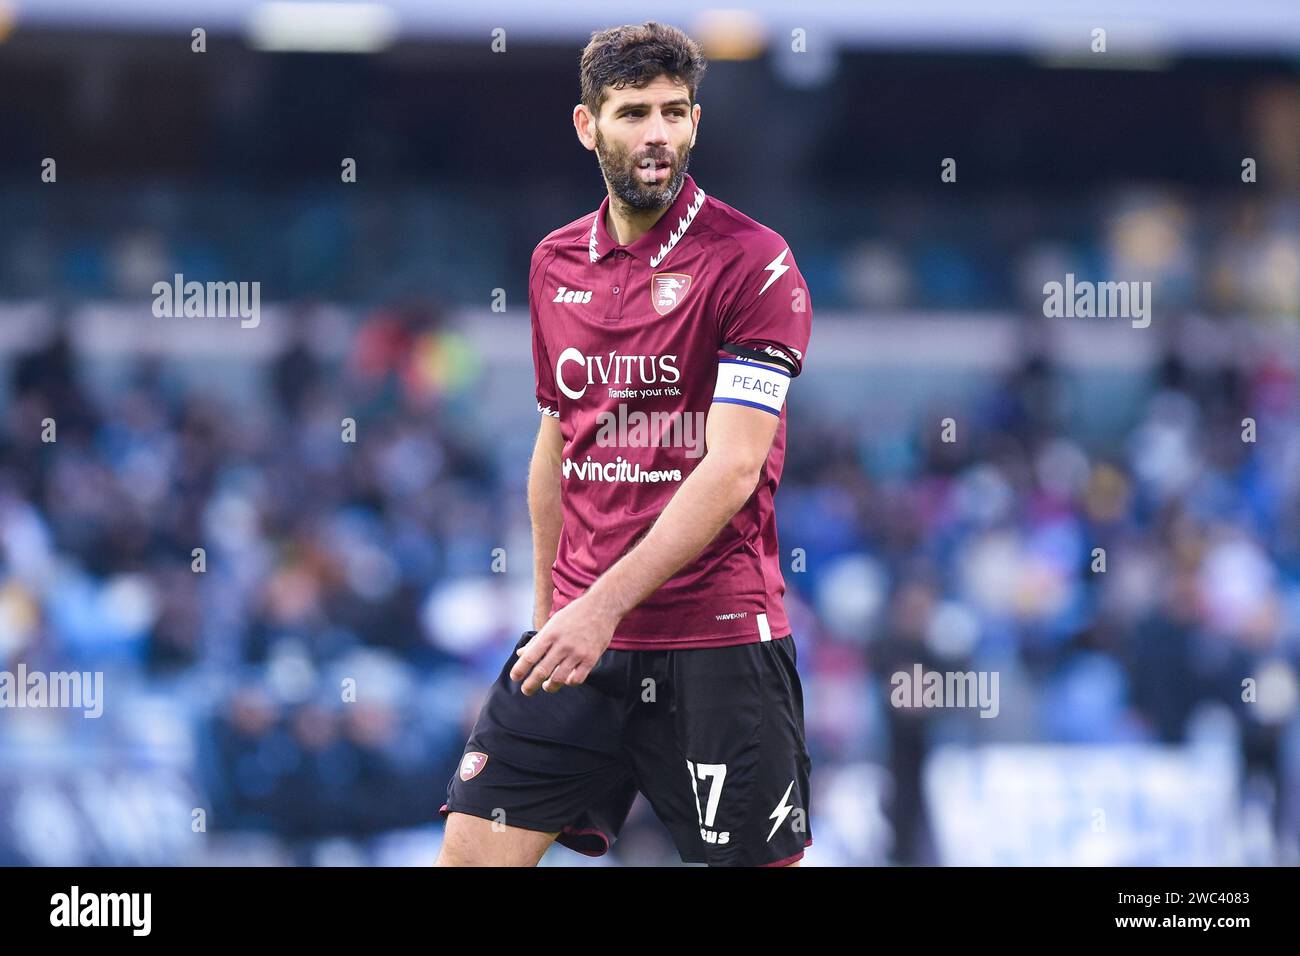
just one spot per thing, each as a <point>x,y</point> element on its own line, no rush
<point>631,346</point>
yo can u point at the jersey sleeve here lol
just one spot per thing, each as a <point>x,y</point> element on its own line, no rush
<point>770,317</point>
<point>548,402</point>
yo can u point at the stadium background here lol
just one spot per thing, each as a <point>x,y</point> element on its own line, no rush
<point>1122,735</point>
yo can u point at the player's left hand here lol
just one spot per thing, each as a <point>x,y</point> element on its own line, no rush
<point>565,650</point>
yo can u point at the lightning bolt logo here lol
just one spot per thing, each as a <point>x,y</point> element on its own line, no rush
<point>785,806</point>
<point>777,268</point>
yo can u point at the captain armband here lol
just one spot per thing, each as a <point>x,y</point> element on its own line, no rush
<point>742,382</point>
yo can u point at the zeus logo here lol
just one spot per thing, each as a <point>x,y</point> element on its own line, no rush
<point>613,369</point>
<point>572,295</point>
<point>777,267</point>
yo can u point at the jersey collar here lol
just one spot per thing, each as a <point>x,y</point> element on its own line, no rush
<point>654,247</point>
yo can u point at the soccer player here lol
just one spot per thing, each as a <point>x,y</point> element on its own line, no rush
<point>666,329</point>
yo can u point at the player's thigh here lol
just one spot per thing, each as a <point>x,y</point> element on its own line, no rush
<point>476,841</point>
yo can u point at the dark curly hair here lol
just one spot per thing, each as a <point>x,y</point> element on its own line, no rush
<point>636,54</point>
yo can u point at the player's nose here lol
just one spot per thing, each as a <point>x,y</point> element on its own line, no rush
<point>657,130</point>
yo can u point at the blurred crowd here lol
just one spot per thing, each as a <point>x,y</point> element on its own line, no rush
<point>1121,593</point>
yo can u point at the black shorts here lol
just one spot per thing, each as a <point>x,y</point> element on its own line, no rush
<point>712,736</point>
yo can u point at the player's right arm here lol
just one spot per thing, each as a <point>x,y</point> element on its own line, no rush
<point>544,509</point>
<point>544,470</point>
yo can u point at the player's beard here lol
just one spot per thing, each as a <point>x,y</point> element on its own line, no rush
<point>620,169</point>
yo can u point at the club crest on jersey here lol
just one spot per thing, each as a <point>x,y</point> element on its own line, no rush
<point>667,289</point>
<point>471,764</point>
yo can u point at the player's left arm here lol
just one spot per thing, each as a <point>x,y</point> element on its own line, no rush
<point>738,438</point>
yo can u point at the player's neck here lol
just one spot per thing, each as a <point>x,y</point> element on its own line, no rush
<point>626,224</point>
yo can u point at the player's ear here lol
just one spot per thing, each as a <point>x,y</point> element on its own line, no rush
<point>584,126</point>
<point>695,123</point>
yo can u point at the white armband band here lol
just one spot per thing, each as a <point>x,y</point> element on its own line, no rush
<point>749,383</point>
